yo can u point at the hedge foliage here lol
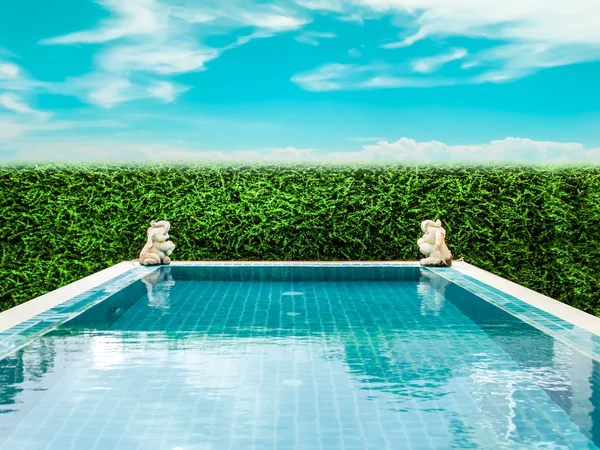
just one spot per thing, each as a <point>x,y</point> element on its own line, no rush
<point>537,226</point>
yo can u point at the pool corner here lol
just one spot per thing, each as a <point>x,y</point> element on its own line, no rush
<point>38,305</point>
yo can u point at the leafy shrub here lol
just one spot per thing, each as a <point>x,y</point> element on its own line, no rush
<point>537,226</point>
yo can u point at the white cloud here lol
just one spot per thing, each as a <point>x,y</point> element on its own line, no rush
<point>9,71</point>
<point>164,60</point>
<point>275,22</point>
<point>513,61</point>
<point>354,53</point>
<point>130,18</point>
<point>273,16</point>
<point>509,62</point>
<point>106,92</point>
<point>468,65</point>
<point>525,37</point>
<point>169,21</point>
<point>323,5</point>
<point>552,21</point>
<point>18,129</point>
<point>506,150</point>
<point>112,93</point>
<point>402,151</point>
<point>18,118</point>
<point>10,130</point>
<point>433,63</point>
<point>312,37</point>
<point>498,65</point>
<point>332,77</point>
<point>164,91</point>
<point>191,15</point>
<point>150,40</point>
<point>84,150</point>
<point>561,33</point>
<point>324,78</point>
<point>161,38</point>
<point>13,102</point>
<point>14,78</point>
<point>243,40</point>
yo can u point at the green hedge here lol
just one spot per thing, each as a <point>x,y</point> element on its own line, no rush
<point>535,226</point>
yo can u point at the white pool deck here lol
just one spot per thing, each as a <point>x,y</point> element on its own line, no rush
<point>29,309</point>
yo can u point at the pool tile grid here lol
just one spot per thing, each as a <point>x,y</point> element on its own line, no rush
<point>298,263</point>
<point>19,335</point>
<point>355,416</point>
<point>13,338</point>
<point>236,404</point>
<point>423,429</point>
<point>578,338</point>
<point>331,412</point>
<point>9,340</point>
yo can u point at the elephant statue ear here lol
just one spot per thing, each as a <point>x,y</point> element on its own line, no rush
<point>425,224</point>
<point>162,223</point>
<point>149,241</point>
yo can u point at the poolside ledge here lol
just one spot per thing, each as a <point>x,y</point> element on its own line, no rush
<point>38,305</point>
<point>27,310</point>
<point>559,309</point>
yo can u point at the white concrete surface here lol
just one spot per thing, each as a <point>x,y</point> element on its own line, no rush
<point>27,310</point>
<point>558,309</point>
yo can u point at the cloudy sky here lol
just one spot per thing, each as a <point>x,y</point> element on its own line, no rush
<point>300,80</point>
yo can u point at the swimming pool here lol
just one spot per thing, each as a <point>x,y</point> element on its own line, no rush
<point>297,357</point>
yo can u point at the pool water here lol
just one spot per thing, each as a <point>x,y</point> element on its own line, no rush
<point>297,358</point>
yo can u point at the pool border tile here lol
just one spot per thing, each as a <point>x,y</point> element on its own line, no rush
<point>25,311</point>
<point>299,263</point>
<point>571,326</point>
<point>38,316</point>
<point>64,305</point>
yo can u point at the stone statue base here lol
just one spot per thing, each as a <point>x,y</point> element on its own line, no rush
<point>436,262</point>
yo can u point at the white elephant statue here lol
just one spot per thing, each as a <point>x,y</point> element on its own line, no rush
<point>158,248</point>
<point>433,244</point>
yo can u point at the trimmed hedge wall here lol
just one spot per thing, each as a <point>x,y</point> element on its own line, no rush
<point>535,226</point>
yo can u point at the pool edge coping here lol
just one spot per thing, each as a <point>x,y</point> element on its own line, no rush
<point>38,305</point>
<point>45,302</point>
<point>547,304</point>
<point>27,310</point>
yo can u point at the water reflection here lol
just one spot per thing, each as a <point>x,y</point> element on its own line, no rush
<point>12,375</point>
<point>432,290</point>
<point>21,375</point>
<point>24,367</point>
<point>159,284</point>
<point>357,364</point>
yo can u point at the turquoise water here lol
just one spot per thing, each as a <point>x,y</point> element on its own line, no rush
<point>297,358</point>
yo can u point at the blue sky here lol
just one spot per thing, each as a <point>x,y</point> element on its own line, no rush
<point>300,80</point>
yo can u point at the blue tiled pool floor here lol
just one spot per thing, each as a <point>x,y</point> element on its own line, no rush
<point>283,362</point>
